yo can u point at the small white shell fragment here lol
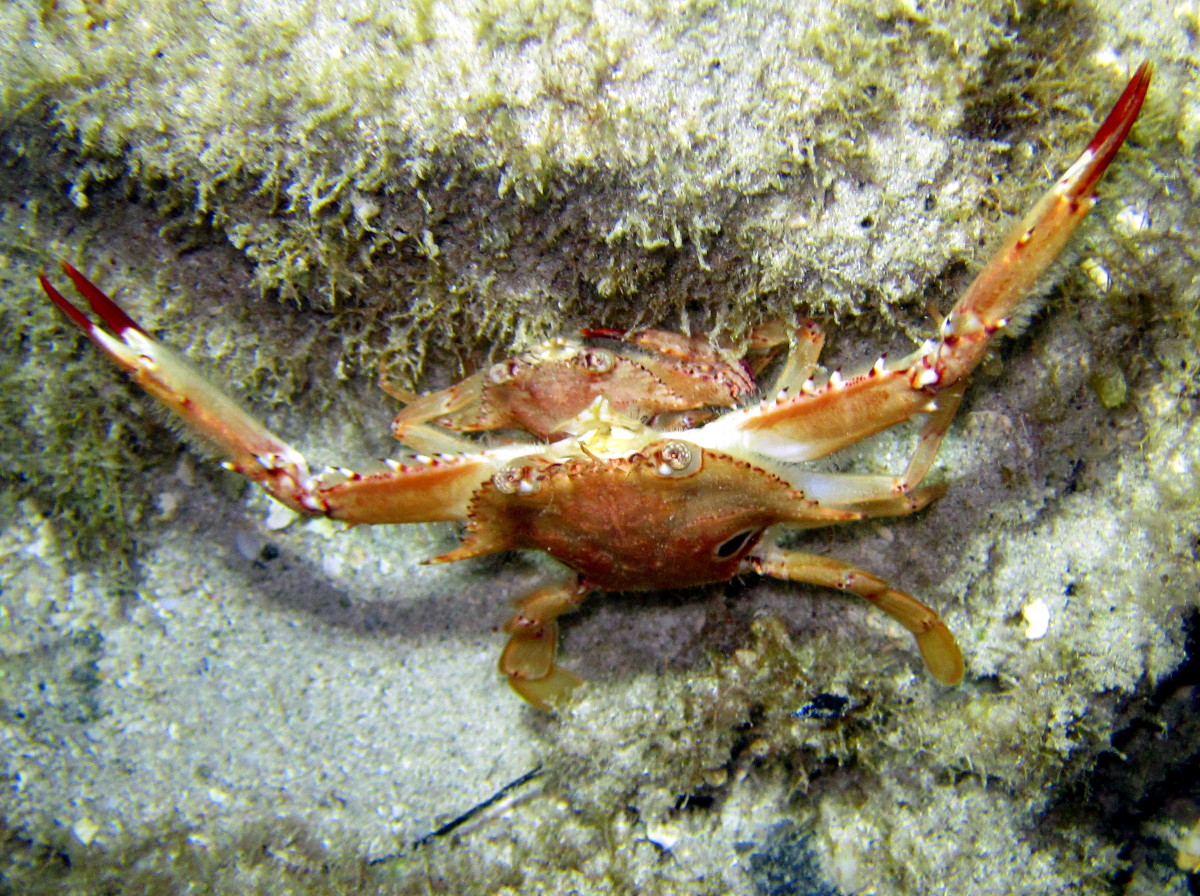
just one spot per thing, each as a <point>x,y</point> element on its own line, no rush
<point>1132,221</point>
<point>219,797</point>
<point>185,470</point>
<point>1097,273</point>
<point>85,830</point>
<point>246,544</point>
<point>279,517</point>
<point>747,659</point>
<point>1037,619</point>
<point>168,505</point>
<point>664,836</point>
<point>364,208</point>
<point>1187,857</point>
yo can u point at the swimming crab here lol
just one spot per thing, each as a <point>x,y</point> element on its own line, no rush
<point>612,456</point>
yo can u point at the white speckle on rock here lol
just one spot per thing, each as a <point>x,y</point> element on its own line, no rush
<point>1037,619</point>
<point>85,830</point>
<point>246,544</point>
<point>279,517</point>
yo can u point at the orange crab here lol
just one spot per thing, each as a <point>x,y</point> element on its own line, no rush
<point>624,472</point>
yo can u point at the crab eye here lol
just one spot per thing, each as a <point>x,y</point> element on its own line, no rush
<point>678,460</point>
<point>735,544</point>
<point>598,361</point>
<point>504,372</point>
<point>516,479</point>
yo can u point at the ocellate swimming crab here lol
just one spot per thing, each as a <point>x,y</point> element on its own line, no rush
<point>624,471</point>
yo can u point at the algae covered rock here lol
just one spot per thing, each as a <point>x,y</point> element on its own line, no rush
<point>195,689</point>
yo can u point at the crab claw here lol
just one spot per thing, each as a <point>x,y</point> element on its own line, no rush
<point>419,488</point>
<point>1036,240</point>
<point>250,447</point>
<point>804,421</point>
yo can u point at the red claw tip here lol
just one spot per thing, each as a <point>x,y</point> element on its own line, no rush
<point>109,310</point>
<point>72,313</point>
<point>1116,126</point>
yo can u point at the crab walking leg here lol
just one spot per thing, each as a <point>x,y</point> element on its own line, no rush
<point>901,505</point>
<point>426,490</point>
<point>938,647</point>
<point>423,408</point>
<point>528,658</point>
<point>846,410</point>
<point>930,438</point>
<point>804,350</point>
<point>880,492</point>
<point>860,494</point>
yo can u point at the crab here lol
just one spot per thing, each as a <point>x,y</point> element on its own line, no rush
<point>648,460</point>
